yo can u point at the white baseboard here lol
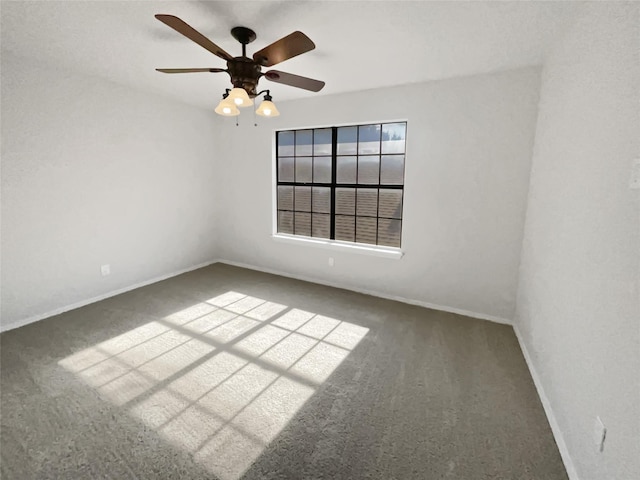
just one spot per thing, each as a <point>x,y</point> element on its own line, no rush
<point>66,308</point>
<point>555,428</point>
<point>562,447</point>
<point>420,303</point>
<point>73,306</point>
<point>410,301</point>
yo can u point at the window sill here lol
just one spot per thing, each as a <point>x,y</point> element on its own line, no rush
<point>374,250</point>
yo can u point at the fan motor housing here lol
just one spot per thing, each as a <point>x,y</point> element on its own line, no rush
<point>244,73</point>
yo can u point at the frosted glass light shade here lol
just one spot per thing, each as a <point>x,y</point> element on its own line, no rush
<point>240,97</point>
<point>227,108</point>
<point>267,109</point>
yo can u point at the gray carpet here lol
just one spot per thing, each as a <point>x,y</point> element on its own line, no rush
<point>225,373</point>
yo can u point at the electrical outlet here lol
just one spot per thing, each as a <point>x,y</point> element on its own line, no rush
<point>105,270</point>
<point>331,262</point>
<point>599,434</point>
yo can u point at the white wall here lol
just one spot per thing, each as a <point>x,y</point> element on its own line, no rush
<point>94,173</point>
<point>578,308</point>
<point>469,144</point>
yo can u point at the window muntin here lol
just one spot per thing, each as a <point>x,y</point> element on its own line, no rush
<point>342,183</point>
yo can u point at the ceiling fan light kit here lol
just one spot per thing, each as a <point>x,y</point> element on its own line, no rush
<point>227,108</point>
<point>240,97</point>
<point>267,108</point>
<point>245,72</point>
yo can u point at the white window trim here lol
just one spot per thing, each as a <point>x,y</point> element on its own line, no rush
<point>338,245</point>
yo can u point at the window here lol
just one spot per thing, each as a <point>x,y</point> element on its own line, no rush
<point>342,183</point>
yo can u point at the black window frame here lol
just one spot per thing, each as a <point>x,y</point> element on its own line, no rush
<point>333,185</point>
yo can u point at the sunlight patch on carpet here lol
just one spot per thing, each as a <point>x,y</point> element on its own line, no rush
<point>221,378</point>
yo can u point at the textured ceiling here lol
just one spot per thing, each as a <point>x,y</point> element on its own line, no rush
<point>360,45</point>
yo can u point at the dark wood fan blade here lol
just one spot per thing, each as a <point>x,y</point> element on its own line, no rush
<point>284,49</point>
<point>192,34</point>
<point>294,80</point>
<point>190,70</point>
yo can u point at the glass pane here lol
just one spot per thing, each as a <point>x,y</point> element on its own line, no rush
<point>392,170</point>
<point>322,169</point>
<point>285,198</point>
<point>346,169</point>
<point>285,222</point>
<point>285,144</point>
<point>389,232</point>
<point>345,228</point>
<point>321,199</point>
<point>303,169</point>
<point>322,141</point>
<point>303,224</point>
<point>303,199</point>
<point>390,205</point>
<point>285,169</point>
<point>393,137</point>
<point>321,225</point>
<point>368,139</point>
<point>304,141</point>
<point>367,200</point>
<point>347,140</point>
<point>345,201</point>
<point>368,169</point>
<point>366,229</point>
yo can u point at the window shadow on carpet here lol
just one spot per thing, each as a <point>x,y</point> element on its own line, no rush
<point>221,378</point>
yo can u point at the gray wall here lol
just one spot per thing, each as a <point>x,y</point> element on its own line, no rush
<point>579,297</point>
<point>469,145</point>
<point>94,173</point>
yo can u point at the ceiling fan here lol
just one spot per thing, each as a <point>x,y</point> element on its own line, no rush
<point>245,72</point>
